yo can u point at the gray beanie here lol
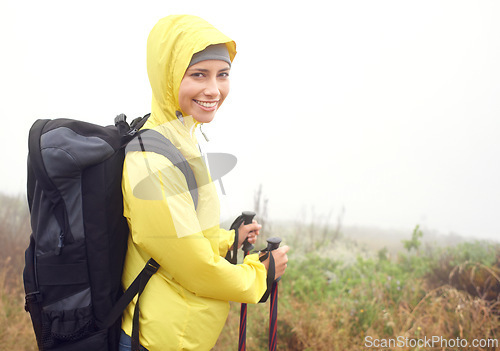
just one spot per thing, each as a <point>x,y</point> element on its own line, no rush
<point>211,52</point>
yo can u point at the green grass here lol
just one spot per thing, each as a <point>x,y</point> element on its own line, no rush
<point>326,304</point>
<point>334,294</point>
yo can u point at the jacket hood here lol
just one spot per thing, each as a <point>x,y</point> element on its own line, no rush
<point>171,44</point>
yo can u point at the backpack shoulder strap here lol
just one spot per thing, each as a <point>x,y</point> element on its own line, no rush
<point>153,141</point>
<point>135,288</point>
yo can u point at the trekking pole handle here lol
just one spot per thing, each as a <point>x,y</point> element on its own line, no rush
<point>248,216</point>
<point>247,219</point>
<point>273,243</point>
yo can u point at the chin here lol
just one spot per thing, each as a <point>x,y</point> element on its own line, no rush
<point>204,119</point>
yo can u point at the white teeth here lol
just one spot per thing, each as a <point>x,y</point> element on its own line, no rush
<point>206,104</point>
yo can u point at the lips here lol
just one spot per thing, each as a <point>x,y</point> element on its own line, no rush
<point>207,105</point>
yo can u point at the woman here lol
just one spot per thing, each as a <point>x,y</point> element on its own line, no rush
<point>185,304</point>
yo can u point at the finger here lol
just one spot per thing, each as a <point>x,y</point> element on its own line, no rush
<point>253,226</point>
<point>285,248</point>
<point>250,227</point>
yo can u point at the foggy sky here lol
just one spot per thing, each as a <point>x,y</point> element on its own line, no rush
<point>386,109</point>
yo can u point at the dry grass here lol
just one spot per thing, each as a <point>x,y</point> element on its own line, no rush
<point>451,303</point>
<point>334,325</point>
<point>16,332</point>
<point>451,313</point>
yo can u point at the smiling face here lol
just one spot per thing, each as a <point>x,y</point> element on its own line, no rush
<point>203,89</point>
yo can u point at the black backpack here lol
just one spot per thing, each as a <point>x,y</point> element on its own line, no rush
<point>74,262</point>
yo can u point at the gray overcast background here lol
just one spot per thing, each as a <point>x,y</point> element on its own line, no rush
<point>389,109</point>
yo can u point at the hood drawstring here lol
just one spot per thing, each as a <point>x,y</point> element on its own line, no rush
<point>180,117</point>
<point>202,133</point>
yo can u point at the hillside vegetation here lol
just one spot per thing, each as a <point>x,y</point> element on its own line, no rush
<point>339,293</point>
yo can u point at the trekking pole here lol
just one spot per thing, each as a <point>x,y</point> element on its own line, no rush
<point>247,219</point>
<point>273,244</point>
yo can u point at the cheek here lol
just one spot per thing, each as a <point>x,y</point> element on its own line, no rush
<point>184,94</point>
<point>224,89</point>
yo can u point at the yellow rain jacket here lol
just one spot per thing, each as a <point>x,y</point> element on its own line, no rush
<point>185,304</point>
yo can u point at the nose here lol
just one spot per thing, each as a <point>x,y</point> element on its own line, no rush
<point>211,88</point>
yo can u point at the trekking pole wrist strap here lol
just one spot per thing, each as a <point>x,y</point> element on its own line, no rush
<point>232,254</point>
<point>271,274</point>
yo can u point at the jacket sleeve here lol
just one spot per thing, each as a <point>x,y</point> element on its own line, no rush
<point>165,225</point>
<point>226,240</point>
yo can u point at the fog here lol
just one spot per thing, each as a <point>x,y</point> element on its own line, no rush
<point>385,113</point>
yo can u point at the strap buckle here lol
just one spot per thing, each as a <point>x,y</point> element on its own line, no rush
<point>31,298</point>
<point>152,266</point>
<point>120,118</point>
